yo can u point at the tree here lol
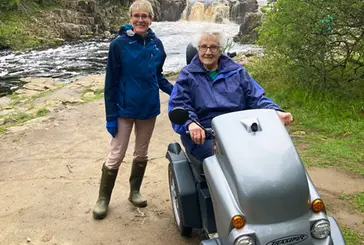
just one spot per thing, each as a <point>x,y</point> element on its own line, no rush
<point>321,42</point>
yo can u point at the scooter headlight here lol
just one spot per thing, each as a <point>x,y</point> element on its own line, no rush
<point>244,240</point>
<point>321,229</point>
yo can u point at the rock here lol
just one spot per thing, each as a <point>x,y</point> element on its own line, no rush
<point>247,31</point>
<point>35,85</point>
<point>240,8</point>
<point>89,95</point>
<point>299,133</point>
<point>4,101</point>
<point>106,34</point>
<point>171,10</point>
<point>156,9</point>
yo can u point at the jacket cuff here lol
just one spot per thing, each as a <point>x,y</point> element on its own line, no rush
<point>110,119</point>
<point>186,125</point>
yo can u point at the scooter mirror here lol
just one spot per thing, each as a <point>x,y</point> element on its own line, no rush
<point>178,115</point>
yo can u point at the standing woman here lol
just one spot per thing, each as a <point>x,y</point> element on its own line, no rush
<point>133,79</point>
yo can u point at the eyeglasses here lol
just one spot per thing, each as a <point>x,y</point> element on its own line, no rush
<point>204,48</point>
<point>143,16</point>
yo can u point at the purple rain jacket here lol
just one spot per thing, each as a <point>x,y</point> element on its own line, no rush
<point>232,90</point>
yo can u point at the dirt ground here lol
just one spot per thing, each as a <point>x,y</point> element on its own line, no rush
<point>49,177</point>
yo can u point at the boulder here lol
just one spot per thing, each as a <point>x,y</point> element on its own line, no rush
<point>171,10</point>
<point>240,8</point>
<point>247,32</point>
<point>156,9</point>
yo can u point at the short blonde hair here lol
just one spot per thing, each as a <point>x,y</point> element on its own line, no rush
<point>142,5</point>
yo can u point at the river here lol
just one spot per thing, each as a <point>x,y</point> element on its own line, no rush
<point>89,57</point>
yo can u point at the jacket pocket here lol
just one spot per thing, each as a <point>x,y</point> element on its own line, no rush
<point>121,95</point>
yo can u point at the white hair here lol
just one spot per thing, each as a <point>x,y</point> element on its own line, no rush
<point>209,34</point>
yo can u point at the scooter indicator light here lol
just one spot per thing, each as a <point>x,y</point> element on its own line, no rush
<point>238,221</point>
<point>317,205</point>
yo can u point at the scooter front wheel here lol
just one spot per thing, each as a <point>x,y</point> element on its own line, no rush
<point>176,204</point>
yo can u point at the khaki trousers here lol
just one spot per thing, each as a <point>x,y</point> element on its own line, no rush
<point>119,144</point>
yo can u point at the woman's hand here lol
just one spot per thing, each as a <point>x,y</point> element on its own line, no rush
<point>285,117</point>
<point>197,134</point>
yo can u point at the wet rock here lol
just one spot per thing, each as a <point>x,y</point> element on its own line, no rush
<point>171,10</point>
<point>240,8</point>
<point>247,32</point>
<point>156,9</point>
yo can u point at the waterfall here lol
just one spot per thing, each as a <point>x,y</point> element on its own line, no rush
<point>217,12</point>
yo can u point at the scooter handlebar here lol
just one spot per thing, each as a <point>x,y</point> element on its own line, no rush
<point>209,132</point>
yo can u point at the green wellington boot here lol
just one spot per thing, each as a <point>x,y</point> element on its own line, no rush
<point>107,184</point>
<point>136,179</point>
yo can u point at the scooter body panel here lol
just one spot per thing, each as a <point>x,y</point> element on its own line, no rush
<point>186,186</point>
<point>255,173</point>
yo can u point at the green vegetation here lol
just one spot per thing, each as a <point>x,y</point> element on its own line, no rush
<point>19,117</point>
<point>357,200</point>
<point>22,26</point>
<point>330,125</point>
<point>89,94</point>
<point>351,237</point>
<point>32,24</point>
<point>314,67</point>
<point>23,109</point>
<point>319,44</point>
<point>8,4</point>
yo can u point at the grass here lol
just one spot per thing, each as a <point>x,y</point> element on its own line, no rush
<point>25,28</point>
<point>28,27</point>
<point>18,116</point>
<point>333,123</point>
<point>330,126</point>
<point>357,200</point>
<point>96,94</point>
<point>352,237</point>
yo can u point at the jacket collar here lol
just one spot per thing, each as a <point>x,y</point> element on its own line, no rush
<point>226,64</point>
<point>128,31</point>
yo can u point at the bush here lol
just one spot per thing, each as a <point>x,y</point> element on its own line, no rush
<point>320,43</point>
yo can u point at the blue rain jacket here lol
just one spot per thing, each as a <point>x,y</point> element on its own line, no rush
<point>232,90</point>
<point>134,76</point>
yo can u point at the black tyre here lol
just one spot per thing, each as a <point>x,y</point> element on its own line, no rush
<point>176,204</point>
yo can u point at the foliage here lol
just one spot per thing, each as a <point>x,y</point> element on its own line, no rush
<point>351,237</point>
<point>328,127</point>
<point>319,42</point>
<point>228,45</point>
<point>29,24</point>
<point>8,4</point>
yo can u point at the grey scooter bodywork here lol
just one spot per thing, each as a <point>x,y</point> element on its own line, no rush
<point>257,173</point>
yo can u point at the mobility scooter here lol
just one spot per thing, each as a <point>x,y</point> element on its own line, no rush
<point>254,190</point>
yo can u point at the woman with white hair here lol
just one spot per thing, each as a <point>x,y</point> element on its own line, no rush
<point>133,79</point>
<point>211,85</point>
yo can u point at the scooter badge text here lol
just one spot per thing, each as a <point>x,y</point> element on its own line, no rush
<point>288,240</point>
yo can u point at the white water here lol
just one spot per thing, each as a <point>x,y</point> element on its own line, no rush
<point>177,35</point>
<point>89,57</point>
